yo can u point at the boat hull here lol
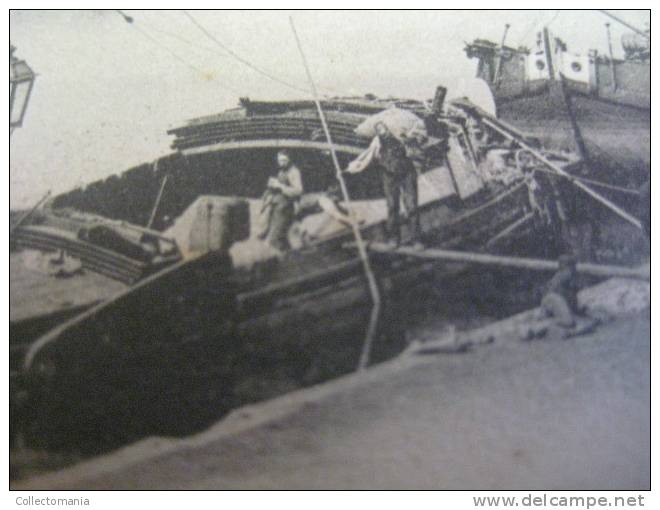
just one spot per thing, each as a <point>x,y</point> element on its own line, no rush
<point>184,346</point>
<point>616,136</point>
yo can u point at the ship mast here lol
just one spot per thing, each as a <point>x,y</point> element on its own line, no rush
<point>496,78</point>
<point>547,49</point>
<point>609,45</point>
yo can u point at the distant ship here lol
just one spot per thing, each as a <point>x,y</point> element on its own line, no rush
<point>595,105</point>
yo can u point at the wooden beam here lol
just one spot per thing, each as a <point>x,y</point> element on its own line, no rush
<point>515,262</point>
<point>271,144</point>
<point>152,217</point>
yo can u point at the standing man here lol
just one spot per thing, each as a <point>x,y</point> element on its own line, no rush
<point>279,202</point>
<point>399,181</point>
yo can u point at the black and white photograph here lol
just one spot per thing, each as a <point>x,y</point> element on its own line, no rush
<point>330,250</point>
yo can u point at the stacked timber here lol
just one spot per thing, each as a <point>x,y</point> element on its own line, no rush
<point>285,120</point>
<point>120,251</point>
<point>301,126</point>
<point>93,257</point>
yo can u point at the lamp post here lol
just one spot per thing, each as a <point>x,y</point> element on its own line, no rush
<point>21,81</point>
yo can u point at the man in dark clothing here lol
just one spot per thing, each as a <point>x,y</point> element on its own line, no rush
<point>560,300</point>
<point>399,181</point>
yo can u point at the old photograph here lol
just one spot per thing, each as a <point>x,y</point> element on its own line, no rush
<point>330,250</point>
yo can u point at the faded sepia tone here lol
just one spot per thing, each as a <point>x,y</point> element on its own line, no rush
<point>330,250</point>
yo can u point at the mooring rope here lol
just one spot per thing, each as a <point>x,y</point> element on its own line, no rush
<point>362,249</point>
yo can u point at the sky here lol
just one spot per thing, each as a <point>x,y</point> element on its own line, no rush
<point>107,91</point>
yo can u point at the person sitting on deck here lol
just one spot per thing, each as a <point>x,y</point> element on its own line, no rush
<point>560,303</point>
<point>561,300</point>
<point>399,178</point>
<point>279,202</point>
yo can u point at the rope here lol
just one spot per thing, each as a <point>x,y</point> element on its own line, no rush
<point>532,26</point>
<point>241,59</point>
<point>553,18</point>
<point>625,24</point>
<point>174,55</point>
<point>362,249</point>
<point>536,23</point>
<point>165,48</point>
<point>184,40</point>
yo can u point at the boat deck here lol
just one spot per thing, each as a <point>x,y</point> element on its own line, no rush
<point>35,293</point>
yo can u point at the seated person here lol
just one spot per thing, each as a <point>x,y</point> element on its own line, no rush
<point>560,301</point>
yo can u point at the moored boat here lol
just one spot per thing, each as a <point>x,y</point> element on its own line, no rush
<point>219,328</point>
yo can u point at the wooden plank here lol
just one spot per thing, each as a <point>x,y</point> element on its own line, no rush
<point>503,261</point>
<point>270,144</point>
<point>80,247</point>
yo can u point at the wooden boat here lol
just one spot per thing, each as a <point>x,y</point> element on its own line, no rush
<point>214,330</point>
<point>594,105</point>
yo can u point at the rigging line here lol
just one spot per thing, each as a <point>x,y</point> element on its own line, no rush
<point>532,27</point>
<point>166,49</point>
<point>180,59</point>
<point>359,241</point>
<point>183,39</point>
<point>625,24</point>
<point>553,18</point>
<point>619,161</point>
<point>241,59</point>
<point>537,23</point>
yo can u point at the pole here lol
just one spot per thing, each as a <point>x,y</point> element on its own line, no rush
<point>516,262</point>
<point>609,45</point>
<point>496,78</point>
<point>158,197</point>
<point>29,213</point>
<point>209,211</point>
<point>362,249</point>
<point>547,49</point>
<point>625,24</point>
<point>577,133</point>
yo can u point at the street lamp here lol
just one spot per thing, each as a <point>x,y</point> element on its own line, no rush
<point>21,80</point>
